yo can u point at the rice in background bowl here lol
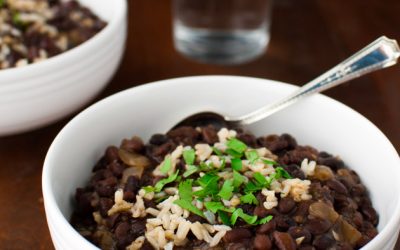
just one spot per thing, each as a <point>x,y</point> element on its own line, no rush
<point>68,161</point>
<point>43,92</point>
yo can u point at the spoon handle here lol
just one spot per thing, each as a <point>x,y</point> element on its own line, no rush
<point>381,53</point>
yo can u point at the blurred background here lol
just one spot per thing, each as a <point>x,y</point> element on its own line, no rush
<point>307,38</point>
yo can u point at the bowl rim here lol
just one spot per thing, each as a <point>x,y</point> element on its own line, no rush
<point>117,19</point>
<point>53,211</point>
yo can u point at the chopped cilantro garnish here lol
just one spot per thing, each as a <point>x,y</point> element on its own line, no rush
<point>191,169</point>
<point>238,179</point>
<point>189,206</point>
<point>215,206</point>
<point>238,213</point>
<point>236,145</point>
<point>166,165</point>
<point>149,189</point>
<point>270,162</point>
<point>236,164</point>
<point>252,156</point>
<point>161,183</point>
<point>2,2</point>
<point>217,151</point>
<point>265,220</point>
<point>185,190</point>
<point>252,187</point>
<point>249,199</point>
<point>209,182</point>
<point>233,153</point>
<point>224,217</point>
<point>260,179</point>
<point>226,190</point>
<point>282,173</point>
<point>189,156</point>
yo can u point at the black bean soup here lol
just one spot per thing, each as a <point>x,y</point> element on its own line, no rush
<point>34,30</point>
<point>203,188</point>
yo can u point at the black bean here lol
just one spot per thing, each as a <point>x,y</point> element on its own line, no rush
<point>342,246</point>
<point>318,226</point>
<point>262,242</point>
<point>323,242</point>
<point>267,228</point>
<point>122,234</point>
<point>248,139</point>
<point>284,222</point>
<point>295,171</point>
<point>112,154</point>
<point>297,155</point>
<point>236,246</point>
<point>358,190</point>
<point>297,232</point>
<point>260,211</point>
<point>184,135</point>
<point>158,139</point>
<point>302,211</point>
<point>112,220</point>
<point>146,246</point>
<point>332,162</point>
<point>138,226</point>
<point>209,134</point>
<point>370,214</point>
<point>116,168</point>
<point>337,186</point>
<point>284,241</point>
<point>286,205</point>
<point>306,247</point>
<point>104,205</point>
<point>237,235</point>
<point>106,187</point>
<point>83,200</point>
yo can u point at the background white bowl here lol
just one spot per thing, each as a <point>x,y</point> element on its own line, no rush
<point>318,121</point>
<point>40,93</point>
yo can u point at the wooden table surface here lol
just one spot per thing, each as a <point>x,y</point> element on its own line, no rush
<point>308,37</point>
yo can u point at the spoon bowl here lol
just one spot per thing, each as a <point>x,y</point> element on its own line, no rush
<point>380,54</point>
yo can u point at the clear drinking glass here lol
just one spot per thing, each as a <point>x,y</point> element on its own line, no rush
<point>221,31</point>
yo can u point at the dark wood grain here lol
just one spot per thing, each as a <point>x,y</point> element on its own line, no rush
<point>308,37</point>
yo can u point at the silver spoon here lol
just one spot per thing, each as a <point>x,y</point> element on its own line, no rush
<point>380,54</point>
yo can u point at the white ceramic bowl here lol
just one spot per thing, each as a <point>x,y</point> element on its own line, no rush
<point>318,121</point>
<point>40,93</point>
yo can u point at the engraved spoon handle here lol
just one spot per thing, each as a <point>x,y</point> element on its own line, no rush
<point>380,54</point>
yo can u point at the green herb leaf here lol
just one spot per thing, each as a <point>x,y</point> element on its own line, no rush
<point>249,219</point>
<point>209,182</point>
<point>233,153</point>
<point>249,199</point>
<point>166,165</point>
<point>238,179</point>
<point>189,156</point>
<point>236,164</point>
<point>191,169</point>
<point>236,145</point>
<point>270,162</point>
<point>224,217</point>
<point>265,220</point>
<point>260,179</point>
<point>217,151</point>
<point>215,206</point>
<point>189,206</point>
<point>252,187</point>
<point>226,190</point>
<point>149,189</point>
<point>185,190</point>
<point>282,173</point>
<point>161,183</point>
<point>2,2</point>
<point>252,156</point>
